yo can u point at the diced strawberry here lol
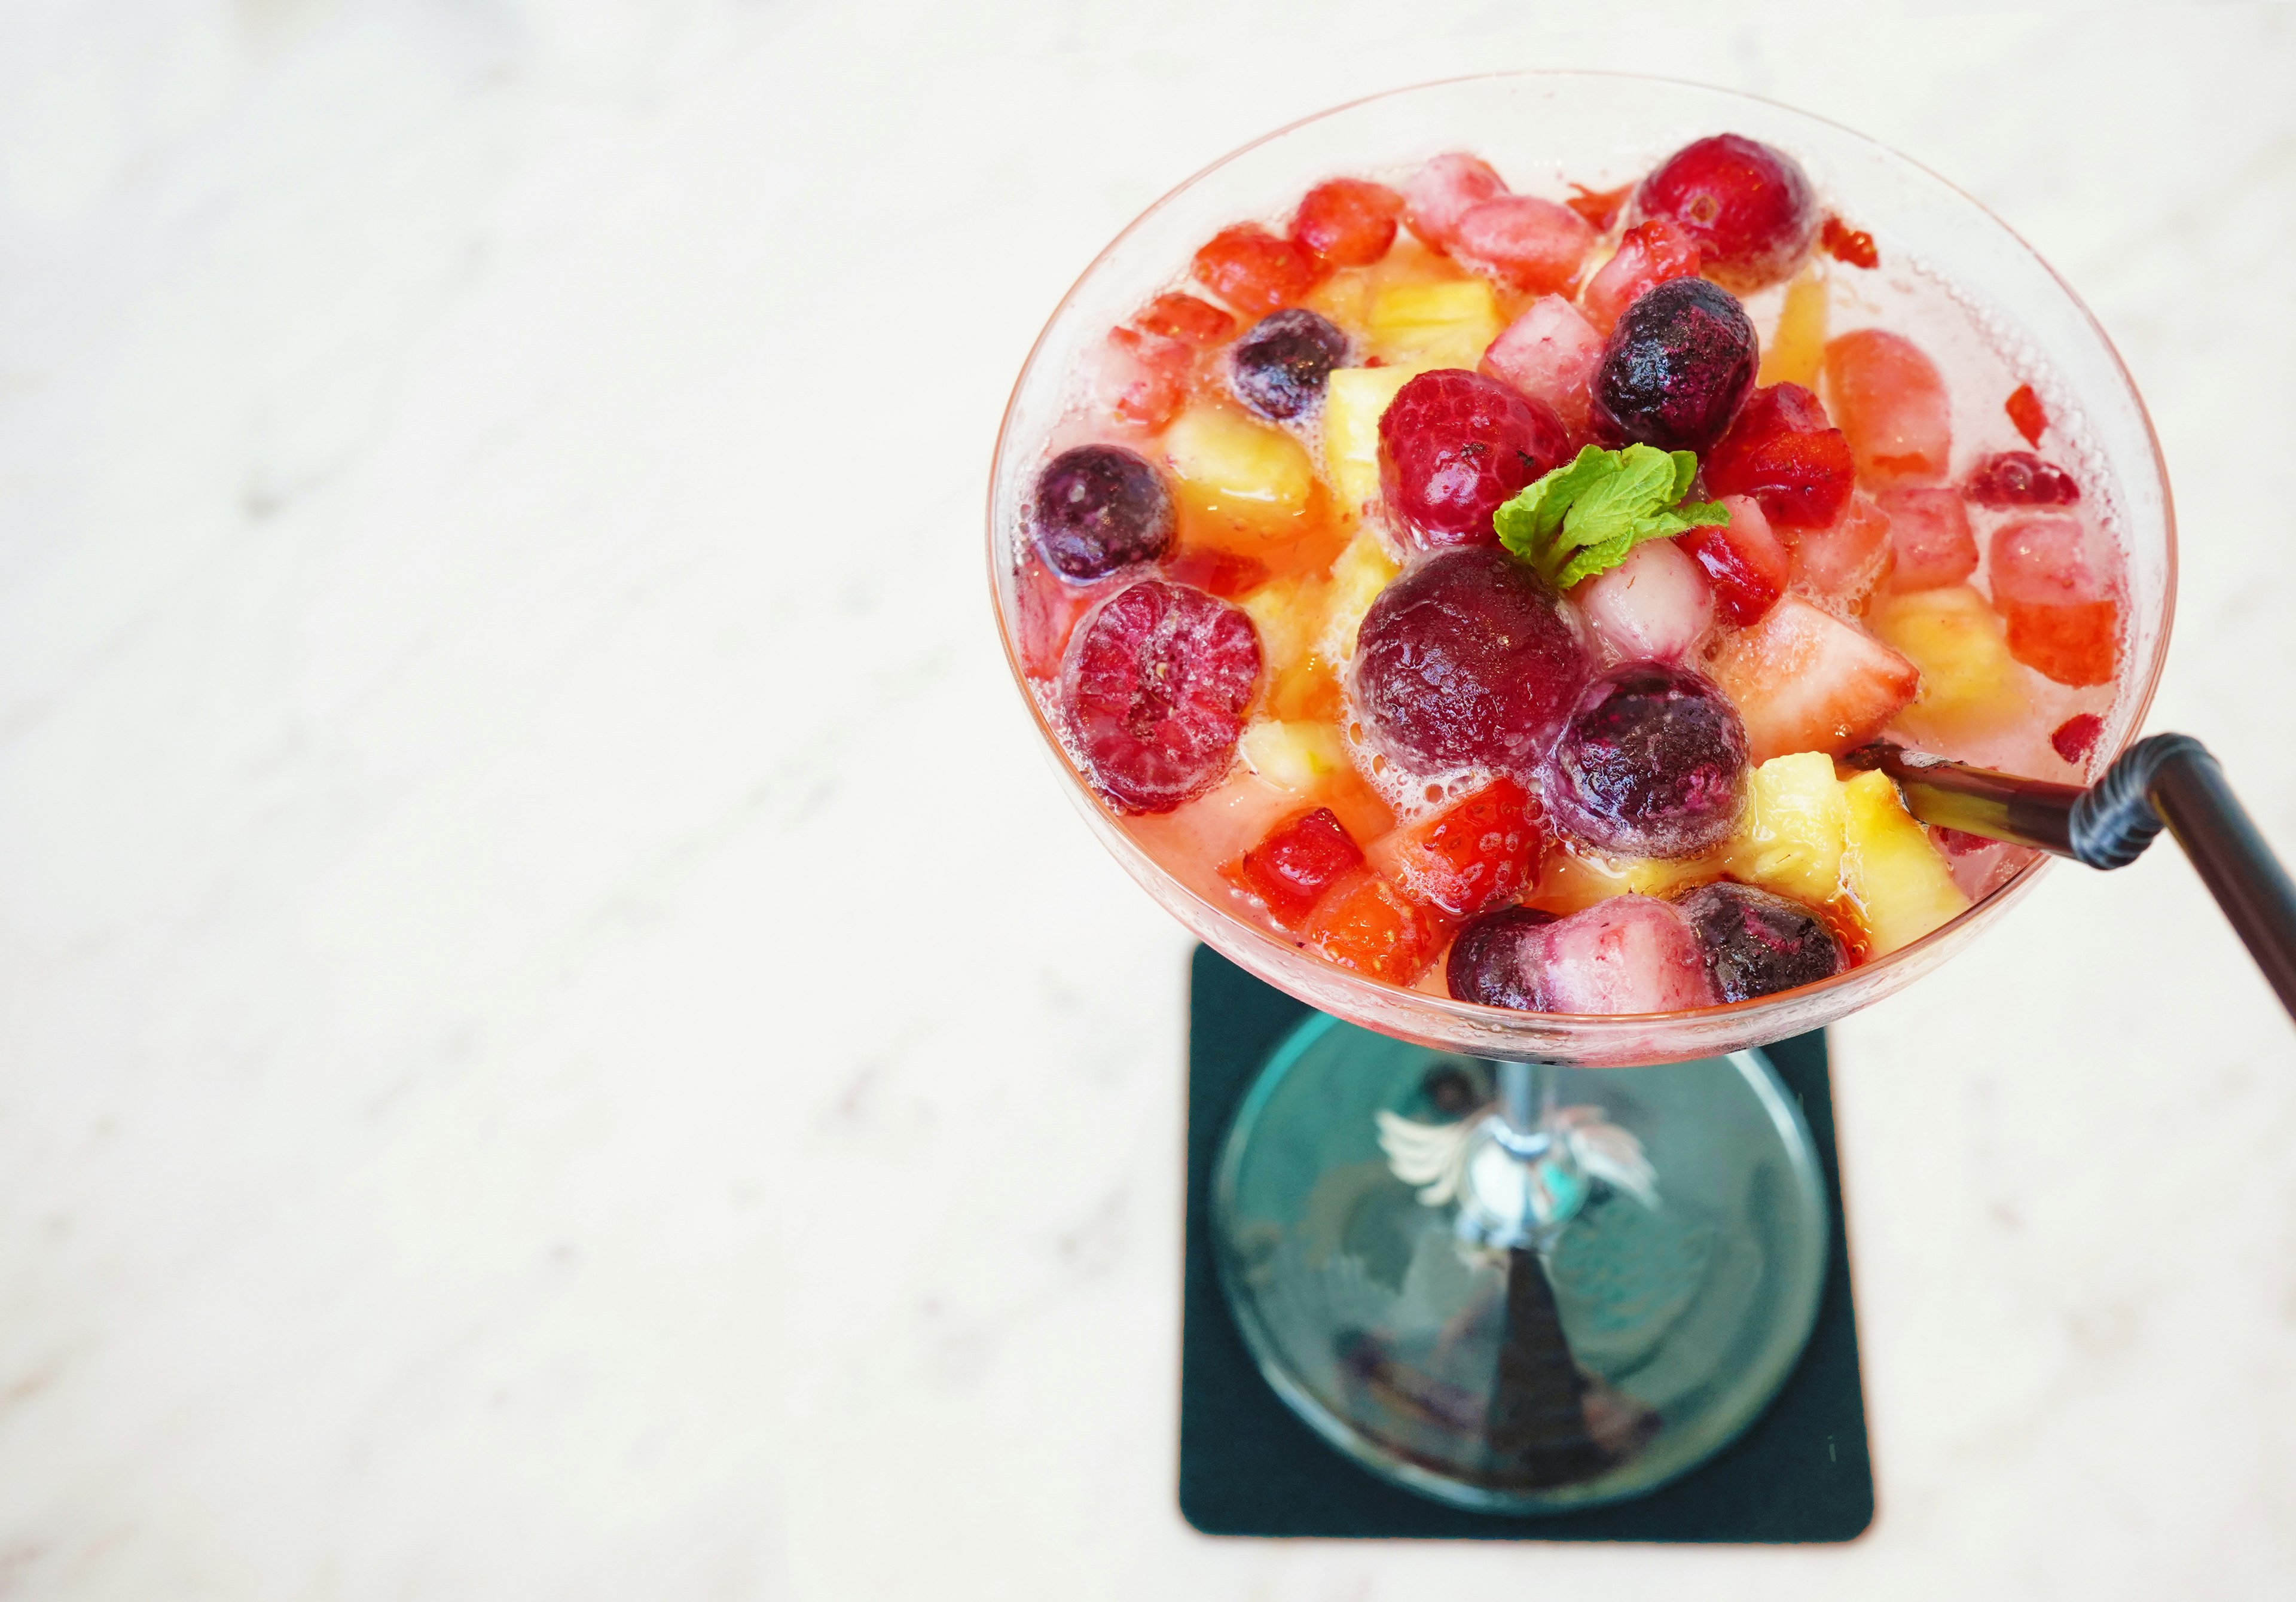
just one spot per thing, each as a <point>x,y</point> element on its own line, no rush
<point>1047,615</point>
<point>1929,531</point>
<point>1346,222</point>
<point>1445,190</point>
<point>1255,271</point>
<point>2056,584</point>
<point>1805,681</point>
<point>1178,317</point>
<point>1301,859</point>
<point>2027,413</point>
<point>1472,853</point>
<point>1649,254</point>
<point>1784,451</point>
<point>1847,559</point>
<point>1534,245</point>
<point>1746,562</point>
<point>1366,924</point>
<point>1844,243</point>
<point>2076,736</point>
<point>1550,353</point>
<point>1143,378</point>
<point>1889,398</point>
<point>1600,207</point>
<point>1224,573</point>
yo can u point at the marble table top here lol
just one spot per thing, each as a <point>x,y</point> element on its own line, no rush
<point>556,1038</point>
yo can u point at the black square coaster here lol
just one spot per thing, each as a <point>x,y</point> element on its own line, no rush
<point>1248,1467</point>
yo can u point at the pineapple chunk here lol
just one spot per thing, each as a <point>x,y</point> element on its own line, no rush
<point>1795,829</point>
<point>1362,570</point>
<point>1342,297</point>
<point>1797,348</point>
<point>1900,881</point>
<point>1354,399</point>
<point>1570,883</point>
<point>1229,465</point>
<point>1288,614</point>
<point>1433,325</point>
<point>1302,757</point>
<point>1970,682</point>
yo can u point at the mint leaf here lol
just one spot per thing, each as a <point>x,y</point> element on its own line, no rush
<point>1585,516</point>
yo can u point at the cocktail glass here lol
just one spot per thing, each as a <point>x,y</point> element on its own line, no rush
<point>1525,1261</point>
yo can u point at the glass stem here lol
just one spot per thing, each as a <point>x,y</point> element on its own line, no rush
<point>1525,1096</point>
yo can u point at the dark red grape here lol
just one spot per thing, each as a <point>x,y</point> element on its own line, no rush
<point>1098,508</point>
<point>1676,367</point>
<point>1653,764</point>
<point>1756,943</point>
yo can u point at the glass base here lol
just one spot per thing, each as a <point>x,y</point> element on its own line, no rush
<point>1511,1287</point>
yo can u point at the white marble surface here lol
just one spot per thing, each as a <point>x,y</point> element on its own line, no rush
<point>557,1040</point>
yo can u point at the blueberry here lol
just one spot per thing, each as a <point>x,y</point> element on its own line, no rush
<point>1676,367</point>
<point>1279,367</point>
<point>1098,508</point>
<point>1756,943</point>
<point>1489,962</point>
<point>1653,764</point>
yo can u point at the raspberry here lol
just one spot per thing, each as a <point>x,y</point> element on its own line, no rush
<point>2019,478</point>
<point>1749,207</point>
<point>1300,860</point>
<point>1653,764</point>
<point>2027,413</point>
<point>1155,685</point>
<point>1346,222</point>
<point>1186,318</point>
<point>2076,736</point>
<point>1783,452</point>
<point>1678,364</point>
<point>1756,943</point>
<point>1278,369</point>
<point>1254,270</point>
<point>1100,507</point>
<point>1454,446</point>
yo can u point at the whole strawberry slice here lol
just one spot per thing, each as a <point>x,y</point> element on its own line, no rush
<point>1805,681</point>
<point>1782,450</point>
<point>1472,854</point>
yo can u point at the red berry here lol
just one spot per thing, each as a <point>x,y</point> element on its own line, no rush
<point>1300,860</point>
<point>1534,245</point>
<point>1184,317</point>
<point>1844,245</point>
<point>1958,842</point>
<point>1254,271</point>
<point>1599,208</point>
<point>1930,536</point>
<point>1144,377</point>
<point>2025,410</point>
<point>2019,478</point>
<point>1473,853</point>
<point>1782,450</point>
<point>1454,446</point>
<point>1445,190</point>
<point>2076,736</point>
<point>1749,207</point>
<point>1366,924</point>
<point>1748,564</point>
<point>1155,685</point>
<point>1650,254</point>
<point>1346,222</point>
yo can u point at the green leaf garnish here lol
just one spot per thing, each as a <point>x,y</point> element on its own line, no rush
<point>1584,517</point>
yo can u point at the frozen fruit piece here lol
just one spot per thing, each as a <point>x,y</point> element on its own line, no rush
<point>1446,323</point>
<point>1676,367</point>
<point>1749,207</point>
<point>1143,377</point>
<point>1366,924</point>
<point>1930,541</point>
<point>2056,583</point>
<point>1280,366</point>
<point>1444,191</point>
<point>1490,963</point>
<point>1852,246</point>
<point>1653,606</point>
<point>1155,685</point>
<point>1651,764</point>
<point>1757,943</point>
<point>1255,271</point>
<point>1228,574</point>
<point>1354,399</point>
<point>1453,446</point>
<point>2076,736</point>
<point>1309,689</point>
<point>1549,353</point>
<point>1648,255</point>
<point>1630,954</point>
<point>1346,222</point>
<point>1226,464</point>
<point>1900,881</point>
<point>1844,560</point>
<point>1747,564</point>
<point>2019,478</point>
<point>1959,842</point>
<point>1471,854</point>
<point>1098,508</point>
<point>1782,450</point>
<point>1795,828</point>
<point>1301,859</point>
<point>1302,756</point>
<point>2026,413</point>
<point>1797,346</point>
<point>1600,207</point>
<point>1532,244</point>
<point>1361,572</point>
<point>1890,399</point>
<point>1468,661</point>
<point>1969,684</point>
<point>1177,316</point>
<point>1805,681</point>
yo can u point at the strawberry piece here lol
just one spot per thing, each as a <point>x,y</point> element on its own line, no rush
<point>1747,563</point>
<point>1550,353</point>
<point>1364,923</point>
<point>1600,207</point>
<point>2056,584</point>
<point>1649,254</point>
<point>1854,247</point>
<point>1890,399</point>
<point>2019,478</point>
<point>1346,222</point>
<point>1445,190</point>
<point>1805,681</point>
<point>1300,860</point>
<point>1958,842</point>
<point>1847,559</point>
<point>1144,377</point>
<point>1782,450</point>
<point>2076,736</point>
<point>1255,271</point>
<point>1534,245</point>
<point>1184,317</point>
<point>1471,855</point>
<point>2027,413</point>
<point>1227,574</point>
<point>1930,536</point>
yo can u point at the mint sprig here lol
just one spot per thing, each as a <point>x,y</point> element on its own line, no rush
<point>1585,516</point>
